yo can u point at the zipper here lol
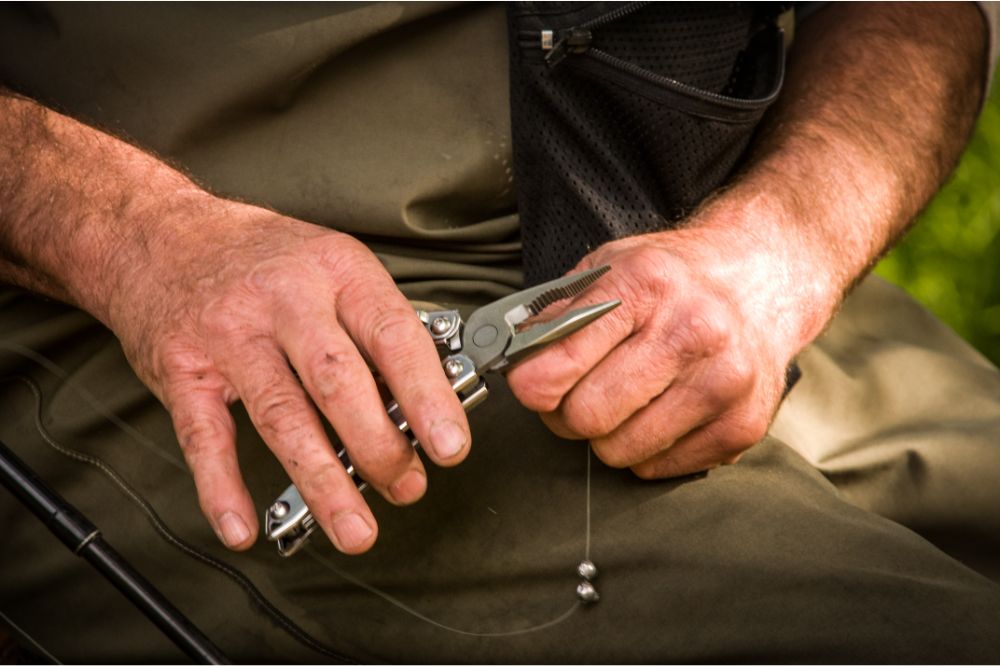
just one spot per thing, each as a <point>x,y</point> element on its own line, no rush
<point>578,39</point>
<point>674,84</point>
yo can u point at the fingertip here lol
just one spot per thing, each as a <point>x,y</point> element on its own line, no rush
<point>645,471</point>
<point>234,532</point>
<point>408,488</point>
<point>533,388</point>
<point>352,533</point>
<point>554,422</point>
<point>449,442</point>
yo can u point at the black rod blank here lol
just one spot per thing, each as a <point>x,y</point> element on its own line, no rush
<point>83,538</point>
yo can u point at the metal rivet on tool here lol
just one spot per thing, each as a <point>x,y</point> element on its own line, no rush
<point>440,325</point>
<point>587,592</point>
<point>453,367</point>
<point>279,509</point>
<point>485,336</point>
<point>587,570</point>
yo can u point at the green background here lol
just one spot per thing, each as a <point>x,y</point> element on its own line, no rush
<point>950,260</point>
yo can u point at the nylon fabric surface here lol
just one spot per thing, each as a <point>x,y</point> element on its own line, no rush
<point>764,560</point>
<point>387,121</point>
<point>854,532</point>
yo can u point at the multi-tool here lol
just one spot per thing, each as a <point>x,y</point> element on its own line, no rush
<point>494,338</point>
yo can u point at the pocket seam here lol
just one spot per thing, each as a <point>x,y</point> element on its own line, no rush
<point>678,100</point>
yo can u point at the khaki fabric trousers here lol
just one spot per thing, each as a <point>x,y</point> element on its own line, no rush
<point>865,527</point>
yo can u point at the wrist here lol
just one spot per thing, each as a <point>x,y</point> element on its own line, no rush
<point>782,270</point>
<point>162,226</point>
<point>83,211</point>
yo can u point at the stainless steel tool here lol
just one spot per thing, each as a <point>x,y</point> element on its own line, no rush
<point>494,338</point>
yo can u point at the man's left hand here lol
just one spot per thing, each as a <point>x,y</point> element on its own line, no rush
<point>687,373</point>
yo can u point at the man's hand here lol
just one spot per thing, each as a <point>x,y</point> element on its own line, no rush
<point>216,301</point>
<point>231,310</point>
<point>688,372</point>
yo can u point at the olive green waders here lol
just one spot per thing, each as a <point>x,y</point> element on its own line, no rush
<point>808,549</point>
<point>866,527</point>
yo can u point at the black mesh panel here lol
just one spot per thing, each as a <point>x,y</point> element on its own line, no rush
<point>630,135</point>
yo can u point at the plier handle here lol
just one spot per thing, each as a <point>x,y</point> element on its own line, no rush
<point>495,338</point>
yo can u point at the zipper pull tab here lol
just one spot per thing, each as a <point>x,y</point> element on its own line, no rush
<point>574,40</point>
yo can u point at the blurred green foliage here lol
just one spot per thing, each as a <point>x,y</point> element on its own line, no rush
<point>950,261</point>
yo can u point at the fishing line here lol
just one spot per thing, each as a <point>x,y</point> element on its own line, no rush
<point>586,592</point>
<point>417,614</point>
<point>161,528</point>
<point>92,401</point>
<point>586,555</point>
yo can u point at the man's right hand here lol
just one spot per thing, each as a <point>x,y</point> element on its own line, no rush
<point>216,301</point>
<point>235,302</point>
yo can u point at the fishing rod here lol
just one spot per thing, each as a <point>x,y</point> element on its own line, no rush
<point>84,539</point>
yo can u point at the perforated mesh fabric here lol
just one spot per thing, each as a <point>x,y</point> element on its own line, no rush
<point>629,136</point>
<point>686,41</point>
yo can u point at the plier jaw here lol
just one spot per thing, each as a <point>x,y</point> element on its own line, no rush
<point>494,339</point>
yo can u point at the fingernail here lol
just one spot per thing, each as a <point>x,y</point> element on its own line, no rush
<point>409,487</point>
<point>351,530</point>
<point>234,530</point>
<point>447,438</point>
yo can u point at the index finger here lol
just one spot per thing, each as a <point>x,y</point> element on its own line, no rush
<point>387,328</point>
<point>541,381</point>
<point>286,419</point>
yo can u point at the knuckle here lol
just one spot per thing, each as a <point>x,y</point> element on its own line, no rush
<point>179,359</point>
<point>278,413</point>
<point>381,463</point>
<point>199,436</point>
<point>224,328</point>
<point>742,432</point>
<point>333,374</point>
<point>755,430</point>
<point>393,334</point>
<point>643,282</point>
<point>740,374</point>
<point>650,472</point>
<point>701,332</point>
<point>541,384</point>
<point>341,251</point>
<point>588,415</point>
<point>321,479</point>
<point>648,261</point>
<point>573,356</point>
<point>536,396</point>
<point>223,320</point>
<point>730,380</point>
<point>610,453</point>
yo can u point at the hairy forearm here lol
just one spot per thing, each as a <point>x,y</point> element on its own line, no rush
<point>216,301</point>
<point>79,208</point>
<point>878,103</point>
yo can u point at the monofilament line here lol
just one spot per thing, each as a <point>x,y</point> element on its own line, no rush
<point>420,616</point>
<point>285,623</point>
<point>587,542</point>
